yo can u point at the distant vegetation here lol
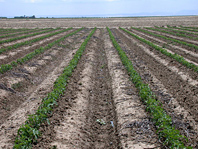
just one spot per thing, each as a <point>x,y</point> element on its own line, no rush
<point>25,17</point>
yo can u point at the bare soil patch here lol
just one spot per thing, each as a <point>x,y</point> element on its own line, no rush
<point>192,56</point>
<point>100,22</point>
<point>147,66</point>
<point>35,89</point>
<point>14,54</point>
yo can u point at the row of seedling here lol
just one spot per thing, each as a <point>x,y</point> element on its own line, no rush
<point>175,56</point>
<point>17,45</point>
<point>29,132</point>
<point>184,28</point>
<point>179,31</point>
<point>24,32</point>
<point>171,33</point>
<point>6,67</point>
<point>11,30</point>
<point>189,27</point>
<point>25,36</point>
<point>167,38</point>
<point>163,122</point>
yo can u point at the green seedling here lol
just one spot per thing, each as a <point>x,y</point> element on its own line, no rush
<point>29,133</point>
<point>6,67</point>
<point>100,121</point>
<point>167,38</point>
<point>161,119</point>
<point>172,33</point>
<point>177,57</point>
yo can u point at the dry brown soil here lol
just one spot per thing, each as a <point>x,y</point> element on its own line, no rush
<point>99,22</point>
<point>101,108</point>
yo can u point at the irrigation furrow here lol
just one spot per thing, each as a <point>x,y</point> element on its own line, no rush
<point>86,114</point>
<point>36,93</point>
<point>68,122</point>
<point>5,45</point>
<point>99,88</point>
<point>186,29</point>
<point>166,131</point>
<point>186,45</point>
<point>6,67</point>
<point>134,126</point>
<point>175,37</point>
<point>10,40</point>
<point>82,119</point>
<point>188,33</point>
<point>176,57</point>
<point>25,74</point>
<point>182,119</point>
<point>14,54</point>
<point>14,31</point>
<point>185,94</point>
<point>18,34</point>
<point>180,29</point>
<point>192,57</point>
<point>177,33</point>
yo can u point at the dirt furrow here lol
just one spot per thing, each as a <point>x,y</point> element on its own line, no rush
<point>2,33</point>
<point>9,128</point>
<point>192,56</point>
<point>82,119</point>
<point>188,34</point>
<point>134,126</point>
<point>172,42</point>
<point>25,39</point>
<point>19,34</point>
<point>22,51</point>
<point>17,81</point>
<point>187,75</point>
<point>185,94</point>
<point>175,37</point>
<point>180,29</point>
<point>182,119</point>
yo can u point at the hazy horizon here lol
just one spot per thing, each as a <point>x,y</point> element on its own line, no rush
<point>97,8</point>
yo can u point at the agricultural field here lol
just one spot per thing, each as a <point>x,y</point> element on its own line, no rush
<point>127,86</point>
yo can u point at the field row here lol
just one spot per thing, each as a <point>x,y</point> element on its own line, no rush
<point>100,88</point>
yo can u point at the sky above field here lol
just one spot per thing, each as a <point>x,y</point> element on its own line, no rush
<point>82,8</point>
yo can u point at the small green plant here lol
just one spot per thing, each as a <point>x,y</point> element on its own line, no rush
<point>103,66</point>
<point>180,34</point>
<point>161,119</point>
<point>17,45</point>
<point>179,31</point>
<point>29,133</point>
<point>168,38</point>
<point>19,33</point>
<point>100,121</point>
<point>177,57</point>
<point>22,37</point>
<point>5,67</point>
<point>193,29</point>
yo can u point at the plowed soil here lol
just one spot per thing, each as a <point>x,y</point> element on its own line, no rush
<point>100,22</point>
<point>101,108</point>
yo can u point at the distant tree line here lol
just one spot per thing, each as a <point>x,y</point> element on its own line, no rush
<point>3,17</point>
<point>25,17</point>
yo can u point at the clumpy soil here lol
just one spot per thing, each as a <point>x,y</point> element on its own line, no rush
<point>86,115</point>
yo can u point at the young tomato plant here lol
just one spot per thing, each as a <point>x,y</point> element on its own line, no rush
<point>161,119</point>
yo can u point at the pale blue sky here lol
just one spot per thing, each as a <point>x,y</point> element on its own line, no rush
<point>97,7</point>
